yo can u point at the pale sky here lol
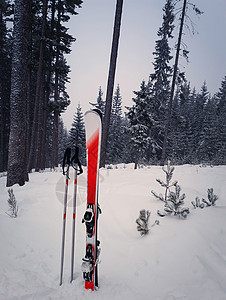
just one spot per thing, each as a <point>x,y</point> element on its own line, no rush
<point>89,59</point>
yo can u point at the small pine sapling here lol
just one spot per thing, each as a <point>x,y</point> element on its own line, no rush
<point>142,221</point>
<point>13,207</point>
<point>212,198</point>
<point>197,203</point>
<point>173,204</point>
<point>167,184</point>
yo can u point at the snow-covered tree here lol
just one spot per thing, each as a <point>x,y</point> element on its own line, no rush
<point>115,138</point>
<point>176,74</point>
<point>161,77</point>
<point>163,71</point>
<point>208,136</point>
<point>77,134</point>
<point>100,103</point>
<point>220,99</point>
<point>140,120</point>
<point>62,141</point>
<point>173,200</point>
<point>180,145</point>
<point>212,198</point>
<point>167,184</point>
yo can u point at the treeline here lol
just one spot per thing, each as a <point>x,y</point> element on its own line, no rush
<point>197,131</point>
<point>188,129</point>
<point>33,77</point>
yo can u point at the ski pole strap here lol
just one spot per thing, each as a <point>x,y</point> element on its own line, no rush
<point>67,158</point>
<point>75,161</point>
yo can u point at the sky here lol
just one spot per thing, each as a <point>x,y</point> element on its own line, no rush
<point>90,55</point>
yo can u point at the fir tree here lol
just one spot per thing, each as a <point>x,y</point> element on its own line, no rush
<point>77,134</point>
<point>50,42</point>
<point>176,74</point>
<point>161,77</point>
<point>180,134</point>
<point>63,140</point>
<point>220,99</point>
<point>115,140</point>
<point>140,120</point>
<point>100,104</point>
<point>207,146</point>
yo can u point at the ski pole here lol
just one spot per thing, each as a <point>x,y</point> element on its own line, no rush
<point>76,162</point>
<point>73,224</point>
<point>67,156</point>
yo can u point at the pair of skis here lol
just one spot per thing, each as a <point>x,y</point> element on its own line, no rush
<point>75,163</point>
<point>93,128</point>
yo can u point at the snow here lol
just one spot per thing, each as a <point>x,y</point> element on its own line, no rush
<point>179,259</point>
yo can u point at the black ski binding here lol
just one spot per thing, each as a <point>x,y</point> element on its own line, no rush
<point>89,219</point>
<point>87,264</point>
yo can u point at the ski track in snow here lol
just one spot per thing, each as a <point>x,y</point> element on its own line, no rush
<point>177,260</point>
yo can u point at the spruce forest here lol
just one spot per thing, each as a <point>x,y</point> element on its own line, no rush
<point>168,118</point>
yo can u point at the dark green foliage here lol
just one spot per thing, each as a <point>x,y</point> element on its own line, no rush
<point>100,103</point>
<point>116,141</point>
<point>47,74</point>
<point>77,134</point>
<point>62,141</point>
<point>140,121</point>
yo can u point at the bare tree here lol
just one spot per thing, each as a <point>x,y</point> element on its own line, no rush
<point>175,72</point>
<point>163,158</point>
<point>111,79</point>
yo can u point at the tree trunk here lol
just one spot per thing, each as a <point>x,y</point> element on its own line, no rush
<point>37,129</point>
<point>56,94</point>
<point>163,158</point>
<point>111,79</point>
<point>17,163</point>
<point>136,160</point>
<point>5,83</point>
<point>48,84</point>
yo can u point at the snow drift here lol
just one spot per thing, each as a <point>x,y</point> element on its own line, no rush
<point>179,259</point>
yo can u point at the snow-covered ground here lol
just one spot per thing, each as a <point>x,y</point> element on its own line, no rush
<point>179,259</point>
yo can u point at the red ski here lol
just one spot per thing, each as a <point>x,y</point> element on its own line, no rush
<point>93,128</point>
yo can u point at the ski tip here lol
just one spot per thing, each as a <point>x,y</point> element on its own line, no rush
<point>98,111</point>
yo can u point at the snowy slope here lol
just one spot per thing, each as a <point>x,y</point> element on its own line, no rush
<point>179,259</point>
